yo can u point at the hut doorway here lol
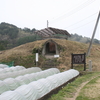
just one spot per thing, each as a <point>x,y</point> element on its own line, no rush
<point>50,48</point>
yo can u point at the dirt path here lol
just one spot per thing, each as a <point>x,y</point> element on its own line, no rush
<point>79,89</point>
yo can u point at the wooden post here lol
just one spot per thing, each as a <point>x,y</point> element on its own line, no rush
<point>71,65</point>
<point>85,67</point>
<point>72,61</point>
<point>85,62</point>
<point>90,65</point>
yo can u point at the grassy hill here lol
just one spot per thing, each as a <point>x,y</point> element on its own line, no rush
<point>25,54</point>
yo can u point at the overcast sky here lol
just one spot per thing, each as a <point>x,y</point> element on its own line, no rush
<point>75,16</point>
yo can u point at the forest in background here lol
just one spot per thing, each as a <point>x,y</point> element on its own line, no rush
<point>80,38</point>
<point>12,36</point>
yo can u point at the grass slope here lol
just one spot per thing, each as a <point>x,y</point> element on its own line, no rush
<point>23,54</point>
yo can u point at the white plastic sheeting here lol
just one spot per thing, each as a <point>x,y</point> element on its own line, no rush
<point>13,83</point>
<point>29,92</point>
<point>40,87</point>
<point>3,87</point>
<point>20,67</point>
<point>45,73</point>
<point>37,89</point>
<point>23,78</point>
<point>12,95</point>
<point>14,68</point>
<point>31,77</point>
<point>17,71</point>
<point>3,66</point>
<point>2,71</point>
<point>7,70</point>
<point>11,69</point>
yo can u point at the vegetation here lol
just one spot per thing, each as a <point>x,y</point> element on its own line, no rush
<point>79,38</point>
<point>25,55</point>
<point>29,30</point>
<point>10,30</point>
<point>3,45</point>
<point>66,47</point>
<point>12,36</point>
<point>69,90</point>
<point>27,39</point>
<point>93,90</point>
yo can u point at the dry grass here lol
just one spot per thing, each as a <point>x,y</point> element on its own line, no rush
<point>22,50</point>
<point>91,90</point>
<point>66,48</point>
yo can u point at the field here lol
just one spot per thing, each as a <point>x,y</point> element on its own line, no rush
<point>85,87</point>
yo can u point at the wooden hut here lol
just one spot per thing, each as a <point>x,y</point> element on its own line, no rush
<point>52,33</point>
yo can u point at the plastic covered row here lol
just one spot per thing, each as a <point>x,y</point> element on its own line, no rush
<point>3,66</point>
<point>19,72</point>
<point>37,89</point>
<point>11,69</point>
<point>13,83</point>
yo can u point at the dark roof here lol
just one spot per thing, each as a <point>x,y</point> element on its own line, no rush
<point>51,31</point>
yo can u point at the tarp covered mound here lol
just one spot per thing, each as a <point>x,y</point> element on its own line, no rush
<point>12,95</point>
<point>45,73</point>
<point>3,87</point>
<point>11,69</point>
<point>11,83</point>
<point>19,68</point>
<point>17,71</point>
<point>29,92</point>
<point>23,78</point>
<point>14,83</point>
<point>3,66</point>
<point>37,89</point>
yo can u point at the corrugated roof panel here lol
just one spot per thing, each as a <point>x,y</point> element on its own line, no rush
<point>51,31</point>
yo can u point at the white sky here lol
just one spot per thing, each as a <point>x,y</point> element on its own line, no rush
<point>75,16</point>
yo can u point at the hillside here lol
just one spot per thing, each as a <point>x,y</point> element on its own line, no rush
<point>25,54</point>
<point>12,36</point>
<point>80,38</point>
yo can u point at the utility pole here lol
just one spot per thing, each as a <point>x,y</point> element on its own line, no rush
<point>90,46</point>
<point>47,23</point>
